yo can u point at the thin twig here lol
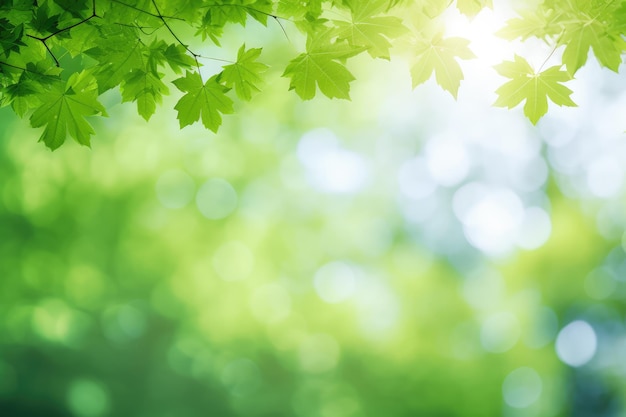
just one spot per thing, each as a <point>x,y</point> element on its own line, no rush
<point>141,28</point>
<point>282,28</point>
<point>243,6</point>
<point>64,29</point>
<point>6,64</point>
<point>44,39</point>
<point>195,56</point>
<point>158,16</point>
<point>273,16</point>
<point>216,59</point>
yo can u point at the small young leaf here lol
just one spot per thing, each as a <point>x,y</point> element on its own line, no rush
<point>146,88</point>
<point>373,33</point>
<point>11,38</point>
<point>439,56</point>
<point>177,58</point>
<point>43,22</point>
<point>76,8</point>
<point>318,66</point>
<point>204,101</point>
<point>471,8</point>
<point>299,9</point>
<point>244,74</point>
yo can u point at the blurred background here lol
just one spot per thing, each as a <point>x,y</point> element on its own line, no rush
<point>403,254</point>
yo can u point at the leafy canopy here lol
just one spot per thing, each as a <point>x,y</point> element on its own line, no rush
<point>58,56</point>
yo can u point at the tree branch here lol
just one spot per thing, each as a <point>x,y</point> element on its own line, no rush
<point>44,39</point>
<point>158,16</point>
<point>195,56</point>
<point>6,64</point>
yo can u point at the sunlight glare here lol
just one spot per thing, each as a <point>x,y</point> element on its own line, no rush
<point>330,168</point>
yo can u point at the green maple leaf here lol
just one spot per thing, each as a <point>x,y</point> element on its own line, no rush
<point>43,22</point>
<point>11,38</point>
<point>204,101</point>
<point>23,96</point>
<point>145,88</point>
<point>76,8</point>
<point>119,52</point>
<point>535,88</point>
<point>580,36</point>
<point>189,10</point>
<point>439,56</point>
<point>433,8</point>
<point>537,23</point>
<point>177,58</point>
<point>618,24</point>
<point>299,9</point>
<point>64,110</point>
<point>370,31</point>
<point>83,37</point>
<point>472,7</point>
<point>260,10</point>
<point>244,74</point>
<point>221,14</point>
<point>318,66</point>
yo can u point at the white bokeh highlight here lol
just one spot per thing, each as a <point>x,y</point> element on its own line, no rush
<point>335,282</point>
<point>522,387</point>
<point>329,167</point>
<point>576,343</point>
<point>500,332</point>
<point>216,199</point>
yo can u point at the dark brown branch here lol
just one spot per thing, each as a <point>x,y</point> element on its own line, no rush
<point>273,16</point>
<point>282,28</point>
<point>44,39</point>
<point>158,16</point>
<point>243,6</point>
<point>195,56</point>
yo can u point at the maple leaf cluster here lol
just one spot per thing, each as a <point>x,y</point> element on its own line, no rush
<point>57,56</point>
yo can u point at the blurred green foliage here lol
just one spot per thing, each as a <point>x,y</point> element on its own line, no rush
<point>163,274</point>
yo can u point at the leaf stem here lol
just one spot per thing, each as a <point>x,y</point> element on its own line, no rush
<point>216,59</point>
<point>548,58</point>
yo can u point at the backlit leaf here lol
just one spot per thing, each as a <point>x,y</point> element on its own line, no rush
<point>64,110</point>
<point>244,75</point>
<point>472,7</point>
<point>368,30</point>
<point>440,56</point>
<point>533,88</point>
<point>319,66</point>
<point>206,102</point>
